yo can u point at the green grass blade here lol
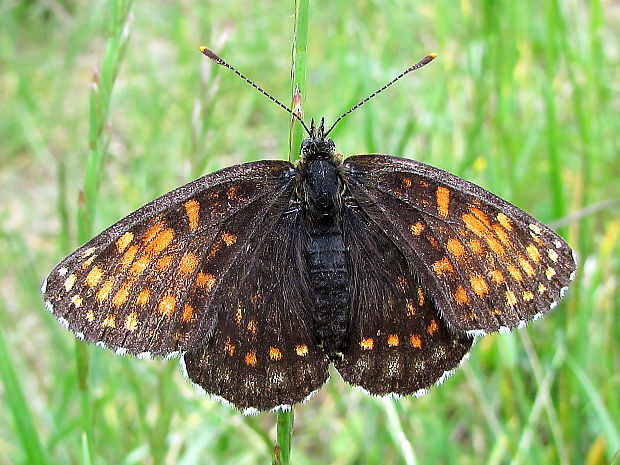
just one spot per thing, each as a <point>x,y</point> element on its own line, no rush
<point>16,400</point>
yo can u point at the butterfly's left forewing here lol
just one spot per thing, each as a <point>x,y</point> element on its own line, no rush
<point>144,286</point>
<point>487,264</point>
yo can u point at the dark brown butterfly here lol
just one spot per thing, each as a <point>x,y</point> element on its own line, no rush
<point>262,274</point>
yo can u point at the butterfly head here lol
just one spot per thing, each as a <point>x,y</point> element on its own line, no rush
<point>318,146</point>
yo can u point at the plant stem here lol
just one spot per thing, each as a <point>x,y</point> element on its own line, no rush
<point>282,450</point>
<point>300,46</point>
<point>100,98</point>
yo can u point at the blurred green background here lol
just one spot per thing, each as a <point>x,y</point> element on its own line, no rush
<point>523,100</point>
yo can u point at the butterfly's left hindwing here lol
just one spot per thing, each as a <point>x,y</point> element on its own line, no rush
<point>144,286</point>
<point>487,264</point>
<point>263,353</point>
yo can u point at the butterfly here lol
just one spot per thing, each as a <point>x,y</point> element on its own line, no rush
<point>263,274</point>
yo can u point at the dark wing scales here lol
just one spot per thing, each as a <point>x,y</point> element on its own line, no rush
<point>489,265</point>
<point>262,355</point>
<point>144,285</point>
<point>397,343</point>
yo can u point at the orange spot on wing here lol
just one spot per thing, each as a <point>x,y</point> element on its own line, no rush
<point>533,252</point>
<point>481,216</point>
<point>123,241</point>
<point>541,288</point>
<point>205,280</point>
<point>393,340</point>
<point>527,296</point>
<point>105,290</point>
<point>139,265</point>
<point>70,282</point>
<point>443,201</point>
<point>250,358</point>
<point>443,266</point>
<point>476,246</point>
<point>152,232</point>
<point>511,299</point>
<point>406,183</point>
<point>549,272</point>
<point>514,272</point>
<point>301,350</point>
<point>480,230</point>
<point>502,234</point>
<point>367,343</point>
<point>417,228</point>
<point>274,353</point>
<point>415,341</point>
<point>504,221</point>
<point>479,285</point>
<point>160,242</point>
<point>77,300</point>
<point>460,296</point>
<point>238,316</point>
<point>88,262</point>
<point>410,308</point>
<point>128,256</point>
<point>131,321</point>
<point>192,209</point>
<point>110,321</point>
<point>121,296</point>
<point>188,263</point>
<point>420,297</point>
<point>526,266</point>
<point>94,276</point>
<point>188,313</point>
<point>251,327</point>
<point>232,193</point>
<point>90,316</point>
<point>164,262</point>
<point>432,328</point>
<point>229,348</point>
<point>215,249</point>
<point>166,305</point>
<point>143,297</point>
<point>229,239</point>
<point>432,241</point>
<point>497,276</point>
<point>455,247</point>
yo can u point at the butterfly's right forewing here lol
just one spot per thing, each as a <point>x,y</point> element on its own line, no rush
<point>487,264</point>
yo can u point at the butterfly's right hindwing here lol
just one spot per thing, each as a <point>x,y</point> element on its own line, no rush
<point>397,342</point>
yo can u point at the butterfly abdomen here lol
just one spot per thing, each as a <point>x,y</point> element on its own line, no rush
<point>325,254</point>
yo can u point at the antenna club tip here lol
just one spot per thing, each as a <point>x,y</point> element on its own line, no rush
<point>209,53</point>
<point>432,56</point>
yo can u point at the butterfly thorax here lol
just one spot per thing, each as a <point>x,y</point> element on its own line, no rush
<point>321,190</point>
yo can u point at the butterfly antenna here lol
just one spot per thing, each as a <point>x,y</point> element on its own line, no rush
<point>424,61</point>
<point>212,56</point>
